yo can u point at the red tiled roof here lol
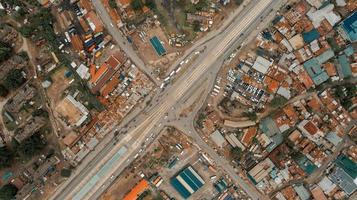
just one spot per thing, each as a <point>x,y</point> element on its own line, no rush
<point>97,74</point>
<point>311,128</point>
<point>249,135</point>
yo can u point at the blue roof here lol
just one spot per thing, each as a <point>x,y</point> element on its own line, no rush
<point>311,35</point>
<point>349,50</point>
<point>156,43</point>
<point>187,182</point>
<point>314,69</point>
<point>320,78</point>
<point>344,68</point>
<point>349,25</point>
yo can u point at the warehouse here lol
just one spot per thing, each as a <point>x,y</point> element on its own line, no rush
<point>187,182</point>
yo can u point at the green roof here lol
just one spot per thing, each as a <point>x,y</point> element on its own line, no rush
<point>349,166</point>
<point>344,68</point>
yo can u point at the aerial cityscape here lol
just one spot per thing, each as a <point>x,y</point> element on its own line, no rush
<point>178,99</point>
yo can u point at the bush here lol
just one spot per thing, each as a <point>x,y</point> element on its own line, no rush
<point>8,192</point>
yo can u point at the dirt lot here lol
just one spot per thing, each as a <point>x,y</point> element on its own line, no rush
<point>148,53</point>
<point>69,111</point>
<point>155,161</point>
<point>59,84</point>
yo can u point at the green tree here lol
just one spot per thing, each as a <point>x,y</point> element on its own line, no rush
<point>66,172</point>
<point>3,91</point>
<point>5,51</point>
<point>14,79</point>
<point>238,2</point>
<point>6,157</point>
<point>251,115</point>
<point>196,26</point>
<point>32,145</point>
<point>113,4</point>
<point>151,4</point>
<point>26,31</point>
<point>137,4</point>
<point>236,153</point>
<point>40,113</point>
<point>278,101</point>
<point>8,192</point>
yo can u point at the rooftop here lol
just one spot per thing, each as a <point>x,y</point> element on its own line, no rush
<point>349,26</point>
<point>137,190</point>
<point>262,65</point>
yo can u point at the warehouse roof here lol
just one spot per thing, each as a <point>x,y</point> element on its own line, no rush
<point>262,65</point>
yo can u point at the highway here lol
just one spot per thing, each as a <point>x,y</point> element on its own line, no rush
<point>148,123</point>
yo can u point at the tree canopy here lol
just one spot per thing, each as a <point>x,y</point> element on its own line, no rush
<point>113,4</point>
<point>236,153</point>
<point>8,192</point>
<point>6,157</point>
<point>137,4</point>
<point>5,51</point>
<point>151,4</point>
<point>251,115</point>
<point>196,26</point>
<point>32,145</point>
<point>238,2</point>
<point>278,101</point>
<point>3,91</point>
<point>14,79</point>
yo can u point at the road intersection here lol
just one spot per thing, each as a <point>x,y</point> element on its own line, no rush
<point>148,123</point>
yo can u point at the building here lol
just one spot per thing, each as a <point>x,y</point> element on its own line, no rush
<point>343,180</point>
<point>218,138</point>
<point>28,129</point>
<point>348,28</point>
<point>327,185</point>
<point>262,65</point>
<point>261,170</point>
<point>187,182</point>
<point>137,190</point>
<point>325,13</point>
<point>73,111</point>
<point>317,193</point>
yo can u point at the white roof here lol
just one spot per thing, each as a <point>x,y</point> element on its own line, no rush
<point>218,138</point>
<point>326,185</point>
<point>262,65</point>
<point>317,16</point>
<point>83,71</point>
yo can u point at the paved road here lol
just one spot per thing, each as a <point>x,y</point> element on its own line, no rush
<point>120,39</point>
<point>149,122</point>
